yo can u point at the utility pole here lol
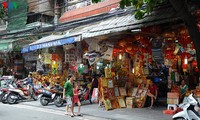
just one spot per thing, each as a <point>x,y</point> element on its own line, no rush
<point>56,12</point>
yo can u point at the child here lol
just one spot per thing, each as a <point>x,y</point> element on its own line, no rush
<point>76,98</point>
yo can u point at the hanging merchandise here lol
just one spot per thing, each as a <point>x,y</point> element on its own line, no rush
<point>108,73</point>
<point>107,51</point>
<point>54,67</point>
<point>55,57</point>
<point>40,64</point>
<point>92,57</point>
<point>73,67</point>
<point>81,68</point>
<point>47,58</point>
<point>194,63</point>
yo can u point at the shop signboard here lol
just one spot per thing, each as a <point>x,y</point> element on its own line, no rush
<point>43,43</point>
<point>52,43</point>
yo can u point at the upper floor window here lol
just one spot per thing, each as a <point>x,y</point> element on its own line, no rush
<point>74,4</point>
<point>40,18</point>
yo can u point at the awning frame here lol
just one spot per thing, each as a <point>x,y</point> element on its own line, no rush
<point>39,44</point>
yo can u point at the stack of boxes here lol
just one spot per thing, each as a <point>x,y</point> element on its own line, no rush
<point>172,100</point>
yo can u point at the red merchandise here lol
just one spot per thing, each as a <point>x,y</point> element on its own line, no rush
<point>55,57</point>
<point>184,66</point>
<point>194,63</point>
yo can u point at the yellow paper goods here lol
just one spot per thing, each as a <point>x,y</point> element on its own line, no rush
<point>129,102</point>
<point>47,58</point>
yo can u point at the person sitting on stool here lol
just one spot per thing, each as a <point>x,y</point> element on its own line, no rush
<point>152,92</point>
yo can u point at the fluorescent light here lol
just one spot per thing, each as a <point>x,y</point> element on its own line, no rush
<point>133,70</point>
<point>185,60</point>
<point>136,30</point>
<point>120,56</point>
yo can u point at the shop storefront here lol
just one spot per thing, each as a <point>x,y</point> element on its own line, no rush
<point>51,58</point>
<point>126,64</point>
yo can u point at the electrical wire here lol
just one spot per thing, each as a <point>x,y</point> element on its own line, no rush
<point>70,25</point>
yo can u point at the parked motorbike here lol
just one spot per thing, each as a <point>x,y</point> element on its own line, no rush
<point>45,97</point>
<point>188,112</point>
<point>85,94</point>
<point>4,90</point>
<point>3,94</point>
<point>58,96</point>
<point>23,91</point>
<point>51,95</point>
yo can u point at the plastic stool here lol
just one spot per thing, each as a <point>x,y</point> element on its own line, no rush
<point>174,106</point>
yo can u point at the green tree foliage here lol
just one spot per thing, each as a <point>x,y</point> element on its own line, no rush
<point>143,7</point>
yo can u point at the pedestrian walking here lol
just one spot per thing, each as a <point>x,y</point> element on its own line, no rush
<point>76,98</point>
<point>68,95</point>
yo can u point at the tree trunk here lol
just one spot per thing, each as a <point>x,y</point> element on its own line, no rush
<point>191,24</point>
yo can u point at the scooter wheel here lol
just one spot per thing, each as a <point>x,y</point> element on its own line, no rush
<point>1,96</point>
<point>44,101</point>
<point>4,99</point>
<point>10,98</point>
<point>58,101</point>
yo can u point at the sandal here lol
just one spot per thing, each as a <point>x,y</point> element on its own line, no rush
<point>72,115</point>
<point>66,113</point>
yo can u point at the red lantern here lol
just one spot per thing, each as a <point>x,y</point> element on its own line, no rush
<point>185,55</point>
<point>194,63</point>
<point>168,56</point>
<point>184,66</point>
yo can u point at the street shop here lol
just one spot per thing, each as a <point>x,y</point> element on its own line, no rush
<point>128,64</point>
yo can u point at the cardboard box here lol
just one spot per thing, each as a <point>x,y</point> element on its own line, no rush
<point>129,102</point>
<point>172,95</point>
<point>172,101</point>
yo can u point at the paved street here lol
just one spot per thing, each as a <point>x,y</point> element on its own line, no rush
<point>34,111</point>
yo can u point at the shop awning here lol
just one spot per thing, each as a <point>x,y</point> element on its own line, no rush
<point>124,22</point>
<point>49,41</point>
<point>128,22</point>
